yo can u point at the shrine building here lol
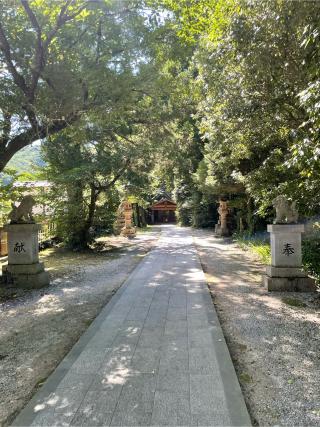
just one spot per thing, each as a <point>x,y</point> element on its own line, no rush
<point>163,212</point>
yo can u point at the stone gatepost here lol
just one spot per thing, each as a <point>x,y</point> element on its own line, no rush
<point>128,230</point>
<point>24,268</point>
<point>285,272</point>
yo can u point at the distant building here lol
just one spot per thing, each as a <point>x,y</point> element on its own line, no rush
<point>163,211</point>
<point>33,184</point>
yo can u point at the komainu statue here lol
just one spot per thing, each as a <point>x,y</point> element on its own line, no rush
<point>22,214</point>
<point>286,211</point>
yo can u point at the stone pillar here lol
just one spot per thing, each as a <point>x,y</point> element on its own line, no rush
<point>24,268</point>
<point>128,230</point>
<point>285,272</point>
<point>221,229</point>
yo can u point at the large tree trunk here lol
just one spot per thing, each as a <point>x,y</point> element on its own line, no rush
<point>136,215</point>
<point>250,216</point>
<point>142,216</point>
<point>86,236</point>
<point>72,218</point>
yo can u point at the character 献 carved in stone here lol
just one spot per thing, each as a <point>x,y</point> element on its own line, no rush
<point>22,214</point>
<point>286,211</point>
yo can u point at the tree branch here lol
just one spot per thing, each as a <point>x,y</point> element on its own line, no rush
<point>31,16</point>
<point>62,18</point>
<point>6,50</point>
<point>85,93</point>
<point>99,36</point>
<point>105,187</point>
<point>31,135</point>
<point>39,57</point>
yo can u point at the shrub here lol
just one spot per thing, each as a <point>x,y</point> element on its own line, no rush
<point>257,244</point>
<point>311,256</point>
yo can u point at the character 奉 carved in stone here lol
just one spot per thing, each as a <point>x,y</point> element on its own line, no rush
<point>22,214</point>
<point>286,212</point>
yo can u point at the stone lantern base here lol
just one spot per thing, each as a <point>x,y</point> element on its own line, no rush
<point>129,232</point>
<point>28,276</point>
<point>24,269</point>
<point>285,273</point>
<point>221,232</point>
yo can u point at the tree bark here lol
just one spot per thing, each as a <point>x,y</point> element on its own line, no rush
<point>136,215</point>
<point>85,234</point>
<point>142,216</point>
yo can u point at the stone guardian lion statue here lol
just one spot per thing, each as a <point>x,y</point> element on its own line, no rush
<point>22,214</point>
<point>286,211</point>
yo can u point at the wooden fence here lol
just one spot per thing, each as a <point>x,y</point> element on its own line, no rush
<point>3,243</point>
<point>48,230</point>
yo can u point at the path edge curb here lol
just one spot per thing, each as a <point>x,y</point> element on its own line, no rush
<point>238,411</point>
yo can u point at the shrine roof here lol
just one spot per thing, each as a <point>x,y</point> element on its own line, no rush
<point>164,204</point>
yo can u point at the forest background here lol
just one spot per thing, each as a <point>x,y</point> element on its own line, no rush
<point>201,100</point>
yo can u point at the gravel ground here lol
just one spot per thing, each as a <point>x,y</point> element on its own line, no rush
<point>274,338</point>
<point>39,327</point>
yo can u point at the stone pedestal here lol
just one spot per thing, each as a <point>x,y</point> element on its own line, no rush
<point>285,272</point>
<point>128,230</point>
<point>24,268</point>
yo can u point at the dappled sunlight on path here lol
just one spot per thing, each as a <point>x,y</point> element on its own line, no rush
<point>154,356</point>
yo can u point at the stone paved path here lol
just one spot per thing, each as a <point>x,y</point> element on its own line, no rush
<point>155,355</point>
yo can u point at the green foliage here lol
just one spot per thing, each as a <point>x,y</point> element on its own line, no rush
<point>106,211</point>
<point>255,80</point>
<point>311,256</point>
<point>63,59</point>
<point>92,167</point>
<point>202,98</point>
<point>184,214</point>
<point>293,302</point>
<point>199,16</point>
<point>245,378</point>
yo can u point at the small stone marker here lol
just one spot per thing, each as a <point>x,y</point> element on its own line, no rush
<point>285,272</point>
<point>24,268</point>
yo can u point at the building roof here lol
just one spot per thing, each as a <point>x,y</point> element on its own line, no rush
<point>164,204</point>
<point>32,184</point>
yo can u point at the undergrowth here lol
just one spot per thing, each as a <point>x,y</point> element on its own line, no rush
<point>257,244</point>
<point>311,256</point>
